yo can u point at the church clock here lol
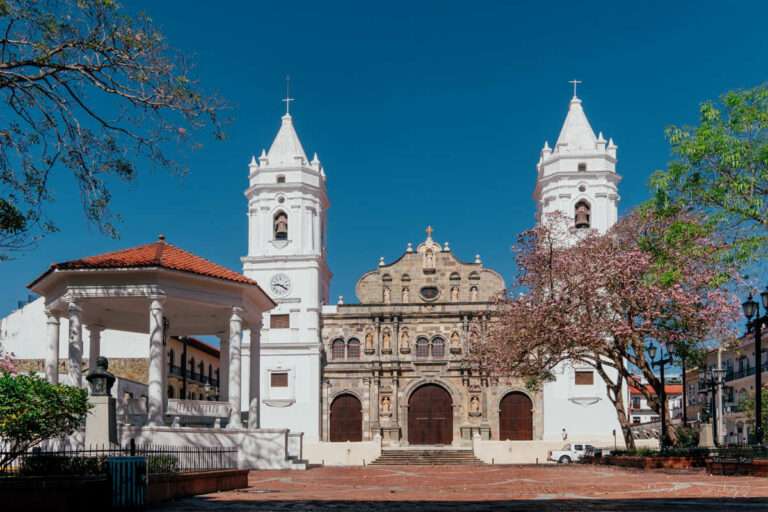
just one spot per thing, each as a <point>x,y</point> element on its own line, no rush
<point>280,285</point>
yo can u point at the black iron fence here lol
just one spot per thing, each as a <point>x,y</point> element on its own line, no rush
<point>161,459</point>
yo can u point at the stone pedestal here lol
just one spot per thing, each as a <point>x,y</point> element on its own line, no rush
<point>705,436</point>
<point>101,423</point>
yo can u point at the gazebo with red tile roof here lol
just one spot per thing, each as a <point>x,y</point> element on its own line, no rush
<point>161,290</point>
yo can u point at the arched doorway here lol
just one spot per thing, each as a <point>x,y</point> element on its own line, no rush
<point>346,419</point>
<point>516,417</point>
<point>430,416</point>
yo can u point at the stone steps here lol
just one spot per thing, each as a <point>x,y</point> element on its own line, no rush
<point>437,457</point>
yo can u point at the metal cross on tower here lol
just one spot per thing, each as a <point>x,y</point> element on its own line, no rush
<point>575,83</point>
<point>288,98</point>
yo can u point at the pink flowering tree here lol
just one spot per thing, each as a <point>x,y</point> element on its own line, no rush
<point>7,364</point>
<point>601,299</point>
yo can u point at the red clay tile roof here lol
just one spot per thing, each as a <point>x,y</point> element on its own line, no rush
<point>669,389</point>
<point>157,254</point>
<point>199,345</point>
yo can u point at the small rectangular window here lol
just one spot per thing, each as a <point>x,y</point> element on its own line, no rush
<point>279,380</point>
<point>279,321</point>
<point>585,378</point>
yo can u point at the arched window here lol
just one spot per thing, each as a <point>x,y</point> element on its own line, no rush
<point>191,367</point>
<point>210,373</point>
<point>582,215</point>
<point>170,391</point>
<point>353,349</point>
<point>281,226</point>
<point>201,368</point>
<point>337,349</point>
<point>422,347</point>
<point>438,347</point>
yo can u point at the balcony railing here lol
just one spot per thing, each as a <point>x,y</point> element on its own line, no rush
<point>178,371</point>
<point>746,372</point>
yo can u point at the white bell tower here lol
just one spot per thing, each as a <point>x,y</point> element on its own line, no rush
<point>287,205</point>
<point>578,177</point>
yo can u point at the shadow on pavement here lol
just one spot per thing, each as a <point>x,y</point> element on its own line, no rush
<point>208,503</point>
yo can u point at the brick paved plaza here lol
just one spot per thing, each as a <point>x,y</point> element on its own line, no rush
<point>486,488</point>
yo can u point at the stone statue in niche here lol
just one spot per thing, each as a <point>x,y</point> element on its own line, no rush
<point>406,295</point>
<point>474,406</point>
<point>369,341</point>
<point>405,346</point>
<point>455,340</point>
<point>430,259</point>
<point>386,406</point>
<point>387,296</point>
<point>473,294</point>
<point>386,341</point>
<point>455,294</point>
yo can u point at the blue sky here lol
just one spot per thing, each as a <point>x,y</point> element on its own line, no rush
<point>422,113</point>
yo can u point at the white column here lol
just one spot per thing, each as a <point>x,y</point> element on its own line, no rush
<point>52,352</point>
<point>75,360</point>
<point>235,337</point>
<point>254,375</point>
<point>224,367</point>
<point>94,345</point>
<point>156,386</point>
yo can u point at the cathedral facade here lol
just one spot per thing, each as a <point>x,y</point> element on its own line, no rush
<point>395,363</point>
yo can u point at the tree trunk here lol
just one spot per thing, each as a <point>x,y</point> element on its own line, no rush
<point>617,399</point>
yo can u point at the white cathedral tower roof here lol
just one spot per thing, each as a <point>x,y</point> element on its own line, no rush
<point>286,149</point>
<point>576,133</point>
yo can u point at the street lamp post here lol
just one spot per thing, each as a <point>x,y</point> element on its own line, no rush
<point>711,383</point>
<point>752,309</point>
<point>663,441</point>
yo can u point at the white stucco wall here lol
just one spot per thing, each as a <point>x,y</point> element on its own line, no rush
<point>342,454</point>
<point>585,412</point>
<point>23,332</point>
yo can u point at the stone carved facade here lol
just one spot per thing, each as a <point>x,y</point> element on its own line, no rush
<point>422,339</point>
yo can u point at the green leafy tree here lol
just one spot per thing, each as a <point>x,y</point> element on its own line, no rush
<point>720,167</point>
<point>90,91</point>
<point>33,410</point>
